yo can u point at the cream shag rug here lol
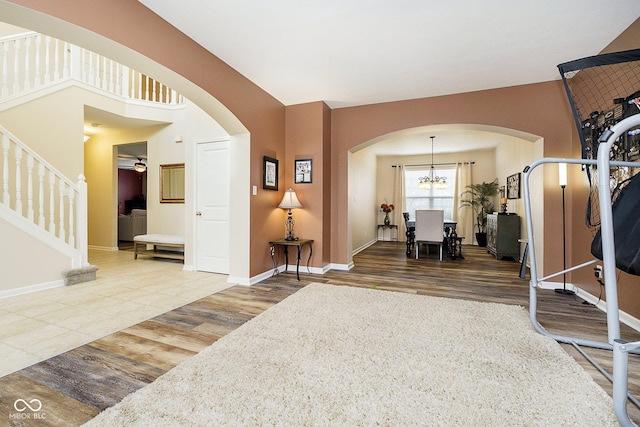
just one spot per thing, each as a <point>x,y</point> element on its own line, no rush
<point>335,355</point>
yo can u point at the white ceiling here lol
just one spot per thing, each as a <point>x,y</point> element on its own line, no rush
<point>354,52</point>
<point>98,121</point>
<point>453,138</point>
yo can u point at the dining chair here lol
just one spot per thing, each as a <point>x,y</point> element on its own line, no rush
<point>429,229</point>
<point>410,233</point>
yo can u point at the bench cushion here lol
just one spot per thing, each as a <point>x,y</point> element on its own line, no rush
<point>159,239</point>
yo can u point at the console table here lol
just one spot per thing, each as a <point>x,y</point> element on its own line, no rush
<point>285,245</point>
<point>392,228</point>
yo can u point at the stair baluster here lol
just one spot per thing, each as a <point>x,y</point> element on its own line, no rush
<point>41,195</point>
<point>6,198</point>
<point>61,230</point>
<point>30,187</point>
<point>5,70</point>
<point>18,157</point>
<point>52,202</point>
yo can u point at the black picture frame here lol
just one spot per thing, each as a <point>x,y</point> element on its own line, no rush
<point>303,171</point>
<point>513,186</point>
<point>269,173</point>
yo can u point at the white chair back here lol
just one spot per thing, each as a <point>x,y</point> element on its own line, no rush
<point>429,226</point>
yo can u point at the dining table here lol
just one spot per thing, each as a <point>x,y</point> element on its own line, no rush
<point>453,244</point>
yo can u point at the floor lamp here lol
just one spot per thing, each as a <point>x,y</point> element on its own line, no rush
<point>562,180</point>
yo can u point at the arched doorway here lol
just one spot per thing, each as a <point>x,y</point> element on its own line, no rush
<point>234,129</point>
<point>497,153</point>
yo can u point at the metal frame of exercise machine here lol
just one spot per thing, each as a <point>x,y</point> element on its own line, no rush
<point>620,348</point>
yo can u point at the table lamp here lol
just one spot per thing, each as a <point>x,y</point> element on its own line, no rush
<point>289,201</point>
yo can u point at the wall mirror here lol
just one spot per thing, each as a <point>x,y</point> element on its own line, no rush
<point>172,183</point>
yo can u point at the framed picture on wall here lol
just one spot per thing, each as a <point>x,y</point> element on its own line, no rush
<point>513,186</point>
<point>270,173</point>
<point>303,171</point>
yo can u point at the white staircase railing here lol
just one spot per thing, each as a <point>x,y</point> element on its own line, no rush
<point>30,61</point>
<point>35,190</point>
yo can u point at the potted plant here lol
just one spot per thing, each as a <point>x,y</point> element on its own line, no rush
<point>479,197</point>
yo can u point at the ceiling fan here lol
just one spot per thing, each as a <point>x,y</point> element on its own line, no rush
<point>139,166</point>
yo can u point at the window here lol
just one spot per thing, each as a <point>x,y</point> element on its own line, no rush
<point>419,198</point>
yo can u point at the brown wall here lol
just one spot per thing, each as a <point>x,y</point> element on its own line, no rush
<point>130,187</point>
<point>307,137</point>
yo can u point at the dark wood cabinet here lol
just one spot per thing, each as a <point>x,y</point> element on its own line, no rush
<point>503,232</point>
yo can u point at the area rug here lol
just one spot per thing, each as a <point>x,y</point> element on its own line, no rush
<point>342,356</point>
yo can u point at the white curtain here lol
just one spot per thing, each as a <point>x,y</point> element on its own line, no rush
<point>464,216</point>
<point>399,202</point>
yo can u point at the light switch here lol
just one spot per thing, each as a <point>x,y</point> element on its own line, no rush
<point>255,190</point>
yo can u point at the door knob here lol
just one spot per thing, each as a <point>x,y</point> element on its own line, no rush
<point>198,213</point>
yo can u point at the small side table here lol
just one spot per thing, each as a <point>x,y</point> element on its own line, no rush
<point>392,228</point>
<point>285,244</point>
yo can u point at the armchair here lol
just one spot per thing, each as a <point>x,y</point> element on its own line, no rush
<point>132,225</point>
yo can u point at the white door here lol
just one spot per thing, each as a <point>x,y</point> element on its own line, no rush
<point>212,207</point>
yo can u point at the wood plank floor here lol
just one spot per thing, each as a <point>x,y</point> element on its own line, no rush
<point>75,386</point>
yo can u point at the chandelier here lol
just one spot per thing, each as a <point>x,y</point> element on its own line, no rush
<point>432,180</point>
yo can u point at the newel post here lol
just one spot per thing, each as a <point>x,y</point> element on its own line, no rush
<point>82,230</point>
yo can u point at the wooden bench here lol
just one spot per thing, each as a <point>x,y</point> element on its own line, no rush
<point>164,246</point>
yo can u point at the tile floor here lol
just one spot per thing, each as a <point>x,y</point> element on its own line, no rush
<point>39,325</point>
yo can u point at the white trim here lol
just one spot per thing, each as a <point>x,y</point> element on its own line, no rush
<point>188,267</point>
<point>247,282</point>
<point>104,248</point>
<point>325,269</point>
<point>31,288</point>
<point>303,269</point>
<point>363,247</point>
<point>291,268</point>
<point>625,318</point>
<point>341,267</point>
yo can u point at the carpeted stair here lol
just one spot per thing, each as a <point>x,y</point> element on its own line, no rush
<point>74,276</point>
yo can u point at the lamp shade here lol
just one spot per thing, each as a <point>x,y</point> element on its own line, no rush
<point>562,174</point>
<point>290,200</point>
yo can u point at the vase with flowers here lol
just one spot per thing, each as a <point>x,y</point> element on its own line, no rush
<point>386,208</point>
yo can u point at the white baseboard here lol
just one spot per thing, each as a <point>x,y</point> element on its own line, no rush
<point>291,268</point>
<point>31,288</point>
<point>341,267</point>
<point>363,247</point>
<point>250,281</point>
<point>103,248</point>
<point>625,317</point>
